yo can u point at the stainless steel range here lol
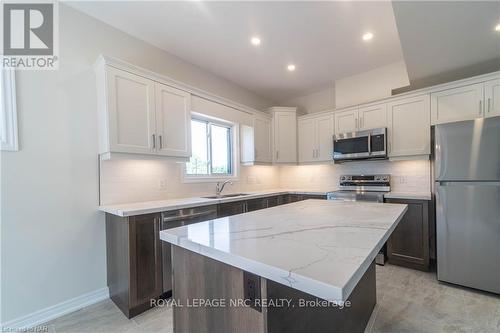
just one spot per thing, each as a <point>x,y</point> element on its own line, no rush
<point>362,188</point>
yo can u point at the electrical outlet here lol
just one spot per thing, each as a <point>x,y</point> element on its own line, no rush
<point>251,290</point>
<point>403,180</point>
<point>162,184</point>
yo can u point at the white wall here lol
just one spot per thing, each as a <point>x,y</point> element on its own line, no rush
<point>372,85</point>
<point>406,176</point>
<point>323,99</point>
<point>52,237</point>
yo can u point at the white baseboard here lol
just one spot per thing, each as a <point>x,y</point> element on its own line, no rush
<point>52,312</point>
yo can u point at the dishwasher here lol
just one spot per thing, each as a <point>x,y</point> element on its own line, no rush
<point>174,219</point>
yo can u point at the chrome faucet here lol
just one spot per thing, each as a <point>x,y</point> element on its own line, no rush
<point>220,187</point>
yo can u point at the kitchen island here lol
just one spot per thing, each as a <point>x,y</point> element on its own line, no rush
<point>302,266</point>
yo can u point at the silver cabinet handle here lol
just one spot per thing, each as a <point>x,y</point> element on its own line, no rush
<point>154,141</point>
<point>356,123</point>
<point>489,104</point>
<point>480,106</point>
<point>161,141</point>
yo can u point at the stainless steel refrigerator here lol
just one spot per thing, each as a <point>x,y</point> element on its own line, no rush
<point>467,187</point>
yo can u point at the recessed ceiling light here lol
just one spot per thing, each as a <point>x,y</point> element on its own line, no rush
<point>367,36</point>
<point>497,28</point>
<point>255,41</point>
<point>290,67</point>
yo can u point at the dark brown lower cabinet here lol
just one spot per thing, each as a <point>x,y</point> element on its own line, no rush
<point>409,244</point>
<point>133,250</point>
<point>313,196</point>
<point>231,208</point>
<point>256,204</point>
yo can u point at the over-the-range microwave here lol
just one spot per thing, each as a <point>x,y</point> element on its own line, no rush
<point>360,145</point>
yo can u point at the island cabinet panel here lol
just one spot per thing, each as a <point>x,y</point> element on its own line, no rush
<point>199,277</point>
<point>298,319</point>
<point>409,244</point>
<point>134,266</point>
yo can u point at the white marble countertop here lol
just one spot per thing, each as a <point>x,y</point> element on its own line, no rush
<point>408,195</point>
<point>148,207</point>
<point>320,247</point>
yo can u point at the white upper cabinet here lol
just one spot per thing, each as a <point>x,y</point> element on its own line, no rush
<point>263,145</point>
<point>256,147</point>
<point>307,139</point>
<point>130,113</point>
<point>346,121</point>
<point>284,134</point>
<point>409,126</point>
<point>372,116</point>
<point>492,98</point>
<point>173,121</point>
<point>325,130</point>
<point>138,115</point>
<point>316,138</point>
<point>461,103</point>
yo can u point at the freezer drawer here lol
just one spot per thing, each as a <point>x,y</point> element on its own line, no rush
<point>468,234</point>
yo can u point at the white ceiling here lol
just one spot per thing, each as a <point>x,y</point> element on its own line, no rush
<point>442,36</point>
<point>323,39</point>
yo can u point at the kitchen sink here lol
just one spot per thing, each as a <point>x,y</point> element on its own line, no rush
<point>226,196</point>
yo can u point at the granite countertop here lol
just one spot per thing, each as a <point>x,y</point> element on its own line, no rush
<point>148,207</point>
<point>320,247</point>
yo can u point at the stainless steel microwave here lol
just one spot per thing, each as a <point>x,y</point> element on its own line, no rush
<point>369,144</point>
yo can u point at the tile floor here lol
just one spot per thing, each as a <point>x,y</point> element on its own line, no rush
<point>407,301</point>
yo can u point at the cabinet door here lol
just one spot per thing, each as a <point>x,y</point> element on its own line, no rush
<point>409,243</point>
<point>145,259</point>
<point>346,121</point>
<point>373,116</point>
<point>492,98</point>
<point>285,137</point>
<point>131,112</point>
<point>173,121</point>
<point>409,131</point>
<point>256,204</point>
<point>231,208</point>
<point>462,103</point>
<point>324,137</point>
<point>262,140</point>
<point>307,140</point>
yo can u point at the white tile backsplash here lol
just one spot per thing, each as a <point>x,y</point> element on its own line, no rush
<point>406,176</point>
<point>124,181</point>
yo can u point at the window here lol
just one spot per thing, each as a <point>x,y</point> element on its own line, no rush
<point>8,114</point>
<point>211,144</point>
